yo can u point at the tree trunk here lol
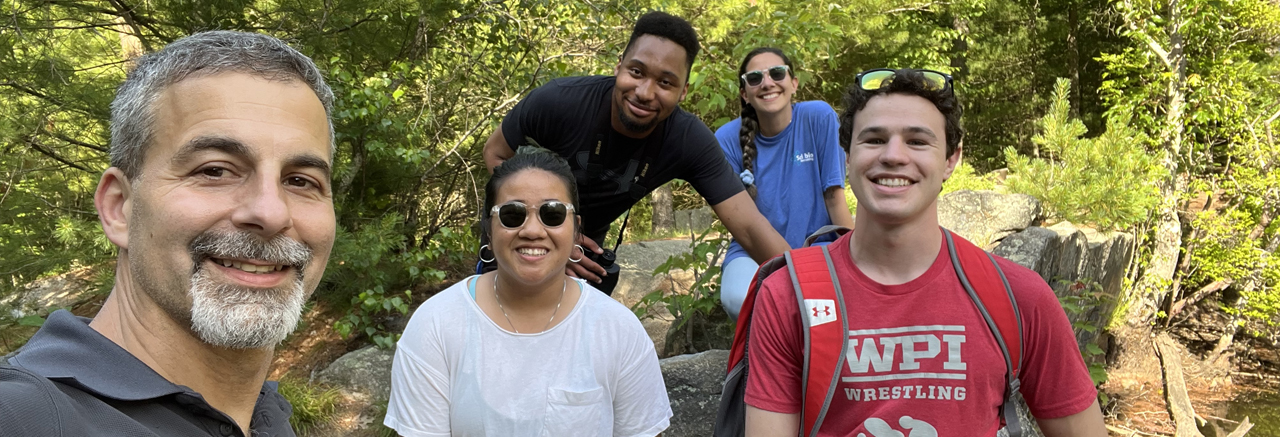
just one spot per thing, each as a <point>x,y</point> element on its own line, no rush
<point>1073,55</point>
<point>130,44</point>
<point>1175,388</point>
<point>960,48</point>
<point>1155,283</point>
<point>664,214</point>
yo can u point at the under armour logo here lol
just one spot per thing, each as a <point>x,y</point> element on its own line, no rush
<point>820,311</point>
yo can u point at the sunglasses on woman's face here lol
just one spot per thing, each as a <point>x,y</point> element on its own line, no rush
<point>513,214</point>
<point>872,80</point>
<point>755,77</point>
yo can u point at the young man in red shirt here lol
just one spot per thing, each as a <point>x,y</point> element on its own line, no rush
<point>920,359</point>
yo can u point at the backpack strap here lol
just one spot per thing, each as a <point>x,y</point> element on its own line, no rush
<point>813,277</point>
<point>839,230</point>
<point>989,289</point>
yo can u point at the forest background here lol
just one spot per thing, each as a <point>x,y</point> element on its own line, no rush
<point>1156,117</point>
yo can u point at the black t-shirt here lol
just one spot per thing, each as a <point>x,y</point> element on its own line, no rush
<point>570,115</point>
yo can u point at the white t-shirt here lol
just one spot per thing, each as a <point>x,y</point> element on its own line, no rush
<point>457,373</point>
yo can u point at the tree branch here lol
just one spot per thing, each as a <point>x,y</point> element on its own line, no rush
<point>78,142</point>
<point>49,152</point>
<point>126,12</point>
<point>1198,295</point>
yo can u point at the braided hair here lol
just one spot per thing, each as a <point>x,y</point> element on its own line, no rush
<point>751,120</point>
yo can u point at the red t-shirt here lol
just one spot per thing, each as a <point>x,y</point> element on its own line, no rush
<point>920,357</point>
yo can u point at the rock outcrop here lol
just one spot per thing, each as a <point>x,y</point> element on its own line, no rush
<point>364,373</point>
<point>60,291</point>
<point>694,383</point>
<point>1075,260</point>
<point>985,217</point>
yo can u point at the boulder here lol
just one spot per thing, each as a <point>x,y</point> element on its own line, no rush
<point>45,295</point>
<point>363,374</point>
<point>984,217</point>
<point>637,262</point>
<point>1074,260</point>
<point>694,383</point>
<point>695,220</point>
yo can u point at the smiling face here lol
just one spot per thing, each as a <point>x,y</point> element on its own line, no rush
<point>898,160</point>
<point>650,83</point>
<point>770,97</point>
<point>532,253</point>
<point>230,221</point>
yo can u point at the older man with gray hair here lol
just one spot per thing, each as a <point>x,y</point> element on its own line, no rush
<point>219,199</point>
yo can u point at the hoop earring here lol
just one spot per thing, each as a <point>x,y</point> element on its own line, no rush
<point>481,255</point>
<point>584,253</point>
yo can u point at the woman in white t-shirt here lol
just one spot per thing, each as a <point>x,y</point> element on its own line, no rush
<point>527,350</point>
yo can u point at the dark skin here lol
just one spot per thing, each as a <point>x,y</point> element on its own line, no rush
<point>650,81</point>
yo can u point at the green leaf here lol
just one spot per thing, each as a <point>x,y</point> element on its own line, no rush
<point>32,320</point>
<point>1093,349</point>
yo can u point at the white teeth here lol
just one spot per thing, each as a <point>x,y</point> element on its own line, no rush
<point>768,96</point>
<point>251,268</point>
<point>532,251</point>
<point>893,182</point>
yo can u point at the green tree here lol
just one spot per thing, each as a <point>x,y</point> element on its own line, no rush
<point>1104,182</point>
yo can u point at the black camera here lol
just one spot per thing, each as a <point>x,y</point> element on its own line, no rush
<point>606,260</point>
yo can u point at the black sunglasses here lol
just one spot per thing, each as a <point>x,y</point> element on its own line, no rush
<point>513,214</point>
<point>755,77</point>
<point>873,79</point>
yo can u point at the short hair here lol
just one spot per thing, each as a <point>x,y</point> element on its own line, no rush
<point>528,157</point>
<point>198,55</point>
<point>910,82</point>
<point>671,27</point>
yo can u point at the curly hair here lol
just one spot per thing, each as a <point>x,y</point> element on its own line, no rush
<point>667,26</point>
<point>910,82</point>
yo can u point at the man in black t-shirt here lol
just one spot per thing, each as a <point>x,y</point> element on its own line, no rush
<point>625,136</point>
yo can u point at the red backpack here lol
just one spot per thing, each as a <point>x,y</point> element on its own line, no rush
<point>817,290</point>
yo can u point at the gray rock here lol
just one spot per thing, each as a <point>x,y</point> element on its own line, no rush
<point>1070,259</point>
<point>695,219</point>
<point>984,217</point>
<point>364,373</point>
<point>694,383</point>
<point>43,296</point>
<point>638,260</point>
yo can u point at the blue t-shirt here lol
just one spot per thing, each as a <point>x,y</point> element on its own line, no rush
<point>792,170</point>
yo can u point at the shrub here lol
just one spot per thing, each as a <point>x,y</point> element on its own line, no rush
<point>966,178</point>
<point>1109,182</point>
<point>313,404</point>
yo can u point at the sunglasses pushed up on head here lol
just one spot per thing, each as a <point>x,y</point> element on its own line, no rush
<point>756,77</point>
<point>873,79</point>
<point>513,214</point>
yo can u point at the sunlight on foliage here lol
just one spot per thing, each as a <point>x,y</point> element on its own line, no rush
<point>313,404</point>
<point>1107,182</point>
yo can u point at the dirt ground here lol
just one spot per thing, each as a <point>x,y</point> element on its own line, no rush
<point>1135,386</point>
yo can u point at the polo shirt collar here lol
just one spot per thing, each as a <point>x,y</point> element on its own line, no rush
<point>67,350</point>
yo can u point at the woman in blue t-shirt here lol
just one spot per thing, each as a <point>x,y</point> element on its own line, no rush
<point>789,157</point>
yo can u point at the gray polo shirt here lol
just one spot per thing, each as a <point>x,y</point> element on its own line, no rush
<point>69,380</point>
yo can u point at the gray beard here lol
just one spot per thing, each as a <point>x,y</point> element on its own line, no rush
<point>235,317</point>
<point>232,317</point>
